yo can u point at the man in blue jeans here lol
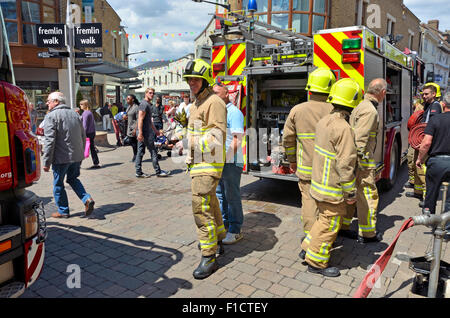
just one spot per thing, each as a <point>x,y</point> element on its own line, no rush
<point>228,189</point>
<point>64,144</point>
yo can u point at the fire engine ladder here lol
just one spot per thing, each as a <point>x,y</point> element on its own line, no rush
<point>294,50</point>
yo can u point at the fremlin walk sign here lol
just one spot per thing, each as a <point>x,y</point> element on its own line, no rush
<point>88,35</point>
<point>51,35</point>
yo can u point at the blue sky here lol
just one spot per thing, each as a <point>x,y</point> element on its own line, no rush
<point>174,17</point>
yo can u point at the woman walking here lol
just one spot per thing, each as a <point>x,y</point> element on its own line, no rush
<point>132,116</point>
<point>89,127</point>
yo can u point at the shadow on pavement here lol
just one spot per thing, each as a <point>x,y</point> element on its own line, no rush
<point>258,236</point>
<point>105,209</point>
<point>110,265</point>
<point>106,165</point>
<point>273,191</point>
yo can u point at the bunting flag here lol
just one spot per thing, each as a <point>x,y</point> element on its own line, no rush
<point>153,34</point>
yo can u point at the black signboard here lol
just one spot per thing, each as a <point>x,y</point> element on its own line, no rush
<point>88,35</point>
<point>53,54</point>
<point>89,55</point>
<point>86,80</point>
<point>51,35</point>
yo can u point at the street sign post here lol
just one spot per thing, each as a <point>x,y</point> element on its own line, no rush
<point>50,35</point>
<point>88,35</point>
<point>46,55</point>
<point>88,55</point>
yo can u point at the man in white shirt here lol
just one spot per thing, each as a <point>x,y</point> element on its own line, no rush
<point>186,104</point>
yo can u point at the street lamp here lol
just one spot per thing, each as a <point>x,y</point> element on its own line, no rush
<point>128,54</point>
<point>226,6</point>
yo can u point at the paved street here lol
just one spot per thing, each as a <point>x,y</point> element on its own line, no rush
<point>142,240</point>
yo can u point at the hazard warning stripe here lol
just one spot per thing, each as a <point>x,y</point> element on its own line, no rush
<point>328,53</point>
<point>237,61</point>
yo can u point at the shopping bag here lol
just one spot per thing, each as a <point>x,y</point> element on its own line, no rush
<point>88,146</point>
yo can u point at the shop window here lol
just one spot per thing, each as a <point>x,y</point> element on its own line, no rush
<point>11,30</point>
<point>29,34</point>
<point>301,5</point>
<point>300,23</point>
<point>280,20</point>
<point>31,12</point>
<point>318,22</point>
<point>9,9</point>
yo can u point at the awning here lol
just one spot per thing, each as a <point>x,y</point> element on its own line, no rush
<point>107,68</point>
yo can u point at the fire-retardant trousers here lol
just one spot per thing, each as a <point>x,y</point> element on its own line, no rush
<point>411,164</point>
<point>207,215</point>
<point>366,204</point>
<point>319,240</point>
<point>419,177</point>
<point>309,211</point>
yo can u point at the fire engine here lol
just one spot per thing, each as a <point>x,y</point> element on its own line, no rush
<point>266,70</point>
<point>22,217</point>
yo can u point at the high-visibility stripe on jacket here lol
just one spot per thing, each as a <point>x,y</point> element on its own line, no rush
<point>206,133</point>
<point>299,133</point>
<point>364,121</point>
<point>333,168</point>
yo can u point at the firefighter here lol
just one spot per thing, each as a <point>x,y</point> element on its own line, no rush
<point>205,159</point>
<point>410,154</point>
<point>333,175</point>
<point>431,108</point>
<point>364,121</point>
<point>298,138</point>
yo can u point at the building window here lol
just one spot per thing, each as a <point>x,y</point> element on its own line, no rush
<point>410,39</point>
<point>300,16</point>
<point>390,24</point>
<point>22,16</point>
<point>114,46</point>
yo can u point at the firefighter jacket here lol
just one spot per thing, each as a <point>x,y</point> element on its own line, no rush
<point>299,133</point>
<point>206,133</point>
<point>364,121</point>
<point>334,160</point>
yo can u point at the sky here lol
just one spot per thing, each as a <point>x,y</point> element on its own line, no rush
<point>183,20</point>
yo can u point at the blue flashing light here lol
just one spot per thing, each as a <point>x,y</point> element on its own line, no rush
<point>252,6</point>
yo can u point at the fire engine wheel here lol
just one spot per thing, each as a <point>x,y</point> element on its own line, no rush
<point>387,184</point>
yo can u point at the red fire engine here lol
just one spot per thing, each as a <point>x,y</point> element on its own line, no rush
<point>22,218</point>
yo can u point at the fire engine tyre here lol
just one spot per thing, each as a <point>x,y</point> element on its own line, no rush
<point>387,184</point>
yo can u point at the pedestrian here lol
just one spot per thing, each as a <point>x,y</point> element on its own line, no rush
<point>436,147</point>
<point>364,120</point>
<point>132,117</point>
<point>185,105</point>
<point>89,127</point>
<point>33,117</point>
<point>333,175</point>
<point>106,117</point>
<point>158,114</point>
<point>298,139</point>
<point>229,188</point>
<point>431,107</point>
<point>417,106</point>
<point>64,144</point>
<point>146,133</point>
<point>205,159</point>
<point>170,113</point>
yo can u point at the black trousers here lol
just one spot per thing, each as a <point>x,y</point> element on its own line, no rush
<point>133,144</point>
<point>148,142</point>
<point>92,148</point>
<point>438,170</point>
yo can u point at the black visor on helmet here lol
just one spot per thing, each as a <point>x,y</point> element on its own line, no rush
<point>189,67</point>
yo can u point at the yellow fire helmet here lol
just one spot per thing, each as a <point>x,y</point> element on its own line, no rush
<point>345,92</point>
<point>320,80</point>
<point>198,68</point>
<point>438,88</point>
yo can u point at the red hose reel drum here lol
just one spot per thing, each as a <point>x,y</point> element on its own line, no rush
<point>416,135</point>
<point>415,118</point>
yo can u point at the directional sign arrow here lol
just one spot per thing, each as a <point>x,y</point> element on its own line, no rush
<point>46,55</point>
<point>89,55</point>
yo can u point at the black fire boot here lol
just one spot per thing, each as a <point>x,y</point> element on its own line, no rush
<point>207,266</point>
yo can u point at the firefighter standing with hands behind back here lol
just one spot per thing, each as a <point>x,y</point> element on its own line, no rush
<point>364,121</point>
<point>298,138</point>
<point>205,159</point>
<point>333,175</point>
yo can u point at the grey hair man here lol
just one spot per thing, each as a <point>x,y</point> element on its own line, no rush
<point>364,121</point>
<point>64,144</point>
